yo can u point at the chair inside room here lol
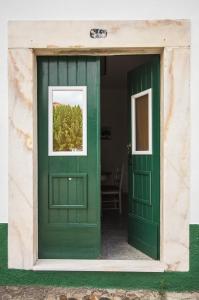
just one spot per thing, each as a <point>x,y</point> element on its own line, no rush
<point>112,194</point>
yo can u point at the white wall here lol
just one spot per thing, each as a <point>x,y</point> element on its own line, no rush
<point>103,9</point>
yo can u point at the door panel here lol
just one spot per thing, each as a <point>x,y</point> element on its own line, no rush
<point>69,195</point>
<point>143,167</point>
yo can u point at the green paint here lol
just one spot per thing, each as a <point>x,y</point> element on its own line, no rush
<point>144,170</point>
<point>171,281</point>
<point>69,196</point>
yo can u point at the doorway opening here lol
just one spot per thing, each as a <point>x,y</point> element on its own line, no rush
<point>69,139</point>
<point>116,133</point>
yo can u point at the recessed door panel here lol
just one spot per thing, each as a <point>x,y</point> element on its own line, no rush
<point>68,190</point>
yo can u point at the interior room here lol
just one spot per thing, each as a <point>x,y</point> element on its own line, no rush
<point>114,156</point>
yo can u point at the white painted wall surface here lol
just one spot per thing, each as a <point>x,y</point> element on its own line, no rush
<point>101,10</point>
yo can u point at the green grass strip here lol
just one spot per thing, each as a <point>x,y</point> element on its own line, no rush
<point>168,281</point>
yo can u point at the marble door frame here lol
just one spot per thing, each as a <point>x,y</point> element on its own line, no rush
<point>169,38</point>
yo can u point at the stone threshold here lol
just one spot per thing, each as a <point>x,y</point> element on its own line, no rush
<point>99,265</point>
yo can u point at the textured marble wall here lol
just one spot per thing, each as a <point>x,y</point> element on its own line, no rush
<point>175,160</point>
<point>21,204</point>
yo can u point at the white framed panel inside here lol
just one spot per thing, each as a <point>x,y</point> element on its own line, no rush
<point>78,98</point>
<point>135,98</point>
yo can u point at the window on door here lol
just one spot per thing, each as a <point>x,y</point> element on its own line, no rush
<point>141,122</point>
<point>67,120</point>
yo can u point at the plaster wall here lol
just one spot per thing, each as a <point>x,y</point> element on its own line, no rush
<point>79,10</point>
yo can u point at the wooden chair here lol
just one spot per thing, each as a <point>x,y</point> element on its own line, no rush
<point>112,194</point>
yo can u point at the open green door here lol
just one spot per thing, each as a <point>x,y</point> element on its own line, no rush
<point>144,157</point>
<point>69,157</point>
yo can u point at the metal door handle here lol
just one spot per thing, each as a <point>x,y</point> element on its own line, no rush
<point>128,148</point>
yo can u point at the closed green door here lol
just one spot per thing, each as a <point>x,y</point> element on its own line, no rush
<point>144,157</point>
<point>69,157</point>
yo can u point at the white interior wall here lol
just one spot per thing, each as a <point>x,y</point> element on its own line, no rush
<point>103,9</point>
<point>114,115</point>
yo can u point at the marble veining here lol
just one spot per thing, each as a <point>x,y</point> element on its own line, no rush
<point>176,159</point>
<point>76,34</point>
<point>20,230</point>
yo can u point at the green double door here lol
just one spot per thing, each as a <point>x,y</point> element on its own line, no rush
<point>69,182</point>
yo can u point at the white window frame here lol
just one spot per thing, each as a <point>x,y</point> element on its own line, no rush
<point>133,122</point>
<point>50,121</point>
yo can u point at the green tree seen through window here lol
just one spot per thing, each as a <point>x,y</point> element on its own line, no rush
<point>67,127</point>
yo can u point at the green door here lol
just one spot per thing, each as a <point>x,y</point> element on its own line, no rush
<point>69,157</point>
<point>144,157</point>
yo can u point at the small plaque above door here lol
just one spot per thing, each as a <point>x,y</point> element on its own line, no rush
<point>98,33</point>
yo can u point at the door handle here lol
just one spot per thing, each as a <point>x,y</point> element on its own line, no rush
<point>128,148</point>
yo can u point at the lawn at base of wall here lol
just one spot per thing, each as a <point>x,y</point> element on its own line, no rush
<point>170,281</point>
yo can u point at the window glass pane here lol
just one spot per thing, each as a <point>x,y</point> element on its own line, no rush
<point>141,117</point>
<point>67,120</point>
